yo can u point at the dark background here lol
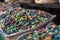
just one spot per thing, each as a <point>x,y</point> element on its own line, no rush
<point>53,10</point>
<point>1,0</point>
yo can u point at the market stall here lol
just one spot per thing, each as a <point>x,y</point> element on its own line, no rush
<point>19,22</point>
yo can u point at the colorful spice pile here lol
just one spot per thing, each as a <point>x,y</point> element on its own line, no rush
<point>51,32</point>
<point>15,19</point>
<point>20,19</point>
